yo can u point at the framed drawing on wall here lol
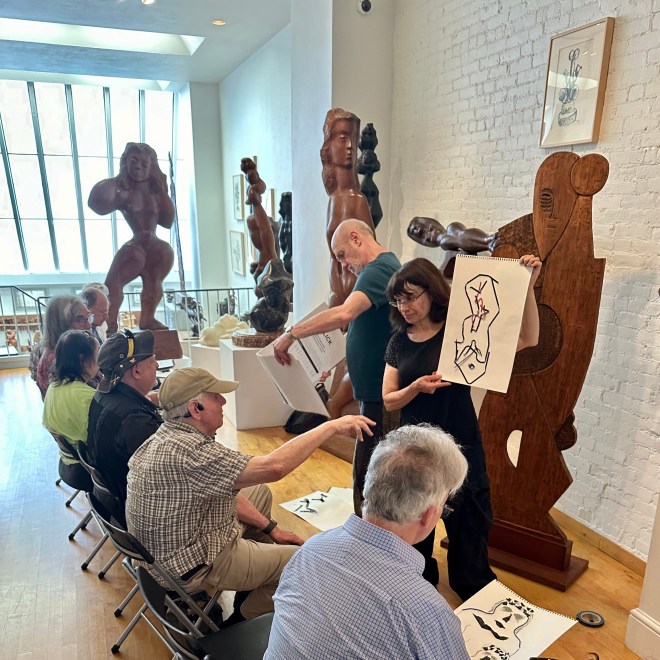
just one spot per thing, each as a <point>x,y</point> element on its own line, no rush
<point>575,84</point>
<point>238,192</point>
<point>237,250</point>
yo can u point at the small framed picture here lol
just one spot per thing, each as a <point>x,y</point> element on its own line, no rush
<point>575,84</point>
<point>237,250</point>
<point>238,188</point>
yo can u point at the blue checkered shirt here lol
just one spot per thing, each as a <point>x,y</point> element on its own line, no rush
<point>357,592</point>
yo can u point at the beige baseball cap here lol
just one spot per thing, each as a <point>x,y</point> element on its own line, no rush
<point>185,384</point>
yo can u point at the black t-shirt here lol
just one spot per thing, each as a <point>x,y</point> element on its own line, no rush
<point>449,407</point>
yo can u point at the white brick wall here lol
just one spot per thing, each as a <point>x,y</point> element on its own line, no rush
<point>468,93</point>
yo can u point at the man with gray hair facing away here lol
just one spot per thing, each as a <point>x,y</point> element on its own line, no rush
<point>357,591</point>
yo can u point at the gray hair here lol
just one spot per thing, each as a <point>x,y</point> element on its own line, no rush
<point>61,312</point>
<point>179,411</point>
<point>90,292</point>
<point>412,469</point>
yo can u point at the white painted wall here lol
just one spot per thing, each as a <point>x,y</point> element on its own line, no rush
<point>255,119</point>
<point>469,79</point>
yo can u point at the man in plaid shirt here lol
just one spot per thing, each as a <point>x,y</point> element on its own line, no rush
<point>202,509</point>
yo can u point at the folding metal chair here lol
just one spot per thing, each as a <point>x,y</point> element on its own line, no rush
<point>247,640</point>
<point>132,549</point>
<point>71,452</point>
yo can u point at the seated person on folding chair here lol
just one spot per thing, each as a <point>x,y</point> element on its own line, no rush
<point>68,398</point>
<point>184,503</point>
<point>121,417</point>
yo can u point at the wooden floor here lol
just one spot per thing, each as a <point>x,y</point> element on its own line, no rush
<point>49,608</point>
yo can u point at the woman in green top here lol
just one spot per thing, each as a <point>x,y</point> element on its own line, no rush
<point>68,398</point>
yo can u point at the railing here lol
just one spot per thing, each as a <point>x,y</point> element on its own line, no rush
<point>188,311</point>
<point>20,321</point>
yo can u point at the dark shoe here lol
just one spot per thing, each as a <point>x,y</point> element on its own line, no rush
<point>236,617</point>
<point>431,572</point>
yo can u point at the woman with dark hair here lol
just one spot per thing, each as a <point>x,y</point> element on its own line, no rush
<point>419,296</point>
<point>62,313</point>
<point>68,398</point>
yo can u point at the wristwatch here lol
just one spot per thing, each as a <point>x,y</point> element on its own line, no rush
<point>289,333</point>
<point>272,524</point>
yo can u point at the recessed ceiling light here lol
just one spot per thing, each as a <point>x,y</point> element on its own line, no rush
<point>148,2</point>
<point>218,21</point>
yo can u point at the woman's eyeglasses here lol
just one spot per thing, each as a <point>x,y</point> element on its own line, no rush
<point>407,299</point>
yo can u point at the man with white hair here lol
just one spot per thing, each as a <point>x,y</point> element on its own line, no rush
<point>201,508</point>
<point>95,296</point>
<point>366,313</point>
<point>357,591</point>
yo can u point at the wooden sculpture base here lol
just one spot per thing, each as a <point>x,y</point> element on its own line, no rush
<point>534,555</point>
<point>167,345</point>
<point>250,338</point>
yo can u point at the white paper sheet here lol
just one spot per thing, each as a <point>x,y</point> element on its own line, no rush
<point>309,357</point>
<point>324,510</point>
<point>497,624</point>
<point>483,321</point>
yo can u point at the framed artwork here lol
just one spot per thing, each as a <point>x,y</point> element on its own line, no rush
<point>238,192</point>
<point>575,84</point>
<point>237,250</point>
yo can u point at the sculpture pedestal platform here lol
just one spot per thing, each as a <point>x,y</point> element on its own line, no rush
<point>206,357</point>
<point>256,403</point>
<point>167,345</point>
<point>250,338</point>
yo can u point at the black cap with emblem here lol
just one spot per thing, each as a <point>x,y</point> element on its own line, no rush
<point>120,352</point>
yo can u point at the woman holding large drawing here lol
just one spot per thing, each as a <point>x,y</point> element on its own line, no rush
<point>419,296</point>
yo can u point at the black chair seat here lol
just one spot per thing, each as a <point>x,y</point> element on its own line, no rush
<point>247,640</point>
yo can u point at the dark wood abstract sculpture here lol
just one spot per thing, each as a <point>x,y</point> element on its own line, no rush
<point>286,231</point>
<point>368,165</point>
<point>546,379</point>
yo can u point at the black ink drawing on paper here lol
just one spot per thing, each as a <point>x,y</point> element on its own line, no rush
<point>568,93</point>
<point>473,348</point>
<point>495,634</point>
<point>305,503</point>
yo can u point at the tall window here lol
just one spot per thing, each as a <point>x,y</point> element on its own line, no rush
<point>56,142</point>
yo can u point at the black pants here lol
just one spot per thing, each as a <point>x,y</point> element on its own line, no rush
<point>385,422</point>
<point>75,475</point>
<point>467,529</point>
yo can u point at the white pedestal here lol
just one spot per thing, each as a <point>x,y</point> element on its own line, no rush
<point>256,403</point>
<point>206,357</point>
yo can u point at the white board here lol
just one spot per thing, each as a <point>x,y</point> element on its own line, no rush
<point>497,624</point>
<point>483,321</point>
<point>309,358</point>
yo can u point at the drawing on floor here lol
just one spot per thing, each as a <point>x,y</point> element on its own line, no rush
<point>497,624</point>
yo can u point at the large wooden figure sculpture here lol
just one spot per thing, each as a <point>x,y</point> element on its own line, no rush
<point>547,379</point>
<point>341,132</point>
<point>140,193</point>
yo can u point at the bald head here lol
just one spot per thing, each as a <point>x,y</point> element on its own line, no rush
<point>354,245</point>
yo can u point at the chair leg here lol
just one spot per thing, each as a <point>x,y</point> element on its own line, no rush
<point>81,525</point>
<point>127,600</point>
<point>92,554</point>
<point>58,481</point>
<point>73,497</point>
<point>129,628</point>
<point>108,566</point>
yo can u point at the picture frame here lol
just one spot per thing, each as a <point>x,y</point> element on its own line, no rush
<point>238,196</point>
<point>237,251</point>
<point>575,84</point>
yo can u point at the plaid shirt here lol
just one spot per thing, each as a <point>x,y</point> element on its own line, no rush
<point>181,500</point>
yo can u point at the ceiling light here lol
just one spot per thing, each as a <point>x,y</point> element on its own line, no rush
<point>218,21</point>
<point>148,2</point>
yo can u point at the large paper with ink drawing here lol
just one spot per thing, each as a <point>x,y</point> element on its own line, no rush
<point>483,321</point>
<point>497,624</point>
<point>324,510</point>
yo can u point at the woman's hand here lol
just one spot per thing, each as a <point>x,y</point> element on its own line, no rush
<point>429,384</point>
<point>534,262</point>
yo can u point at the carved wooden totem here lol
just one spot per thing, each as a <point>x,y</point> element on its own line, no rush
<point>547,379</point>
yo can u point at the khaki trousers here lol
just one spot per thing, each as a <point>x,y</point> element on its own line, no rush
<point>252,562</point>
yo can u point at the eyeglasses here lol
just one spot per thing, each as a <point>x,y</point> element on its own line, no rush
<point>446,510</point>
<point>407,299</point>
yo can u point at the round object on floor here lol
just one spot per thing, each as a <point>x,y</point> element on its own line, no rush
<point>590,619</point>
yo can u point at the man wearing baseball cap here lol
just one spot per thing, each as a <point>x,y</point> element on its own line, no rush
<point>121,417</point>
<point>201,508</point>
